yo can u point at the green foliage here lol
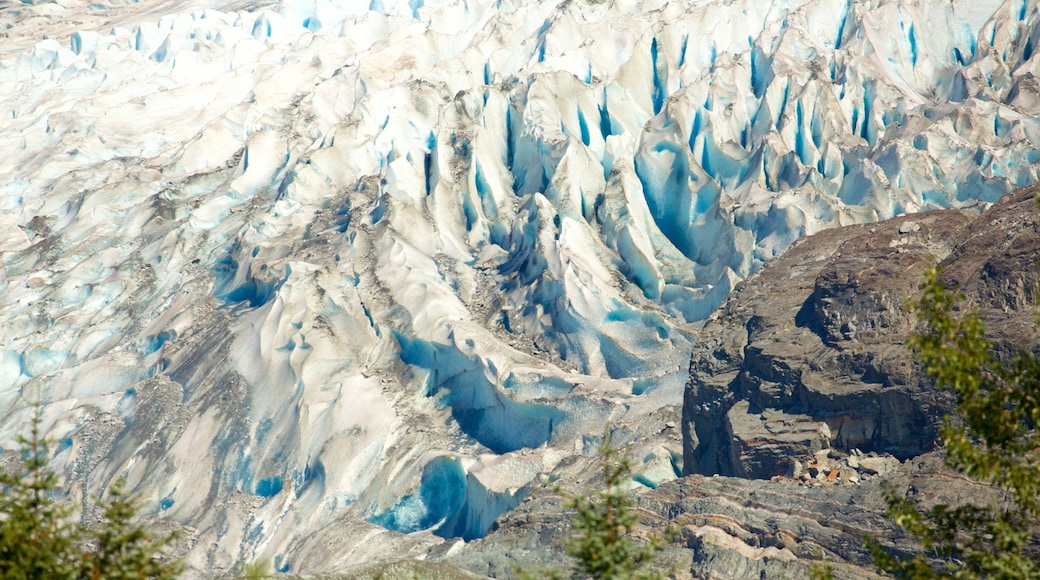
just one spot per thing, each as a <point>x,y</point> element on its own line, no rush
<point>36,540</point>
<point>604,519</point>
<point>121,548</point>
<point>821,571</point>
<point>256,571</point>
<point>992,439</point>
<point>39,540</point>
<point>603,522</point>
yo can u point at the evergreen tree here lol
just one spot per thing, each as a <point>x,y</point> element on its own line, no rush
<point>603,522</point>
<point>40,541</point>
<point>123,549</point>
<point>992,438</point>
<point>605,518</point>
<point>36,538</point>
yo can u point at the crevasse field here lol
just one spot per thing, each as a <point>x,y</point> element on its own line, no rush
<point>312,273</point>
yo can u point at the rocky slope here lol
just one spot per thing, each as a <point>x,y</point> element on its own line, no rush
<point>732,527</point>
<point>803,387</point>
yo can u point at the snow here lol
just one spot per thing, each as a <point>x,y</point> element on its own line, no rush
<point>299,267</point>
<point>976,12</point>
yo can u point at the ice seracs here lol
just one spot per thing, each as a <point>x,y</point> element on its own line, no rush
<point>299,268</point>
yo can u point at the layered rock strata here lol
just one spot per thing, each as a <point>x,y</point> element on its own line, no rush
<point>732,527</point>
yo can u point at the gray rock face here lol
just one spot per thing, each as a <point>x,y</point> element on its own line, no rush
<point>811,352</point>
<point>770,440</point>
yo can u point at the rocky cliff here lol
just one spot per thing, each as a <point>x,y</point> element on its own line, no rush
<point>810,354</point>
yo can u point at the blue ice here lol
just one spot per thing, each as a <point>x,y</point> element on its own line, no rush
<point>478,407</point>
<point>233,285</point>
<point>269,487</point>
<point>441,494</point>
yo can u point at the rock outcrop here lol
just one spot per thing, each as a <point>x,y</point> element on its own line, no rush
<point>732,527</point>
<point>811,353</point>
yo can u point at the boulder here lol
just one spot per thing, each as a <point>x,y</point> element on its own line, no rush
<point>878,465</point>
<point>768,443</point>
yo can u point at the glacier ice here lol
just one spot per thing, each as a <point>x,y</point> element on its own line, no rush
<point>303,269</point>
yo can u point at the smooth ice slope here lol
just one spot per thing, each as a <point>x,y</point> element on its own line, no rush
<point>310,271</point>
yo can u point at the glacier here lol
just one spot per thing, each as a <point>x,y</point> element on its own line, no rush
<point>322,279</point>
